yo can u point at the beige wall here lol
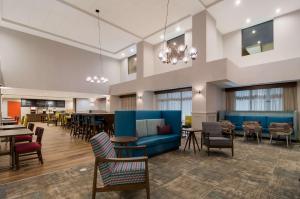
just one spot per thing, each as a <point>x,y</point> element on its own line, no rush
<point>124,76</point>
<point>32,62</point>
<point>286,43</point>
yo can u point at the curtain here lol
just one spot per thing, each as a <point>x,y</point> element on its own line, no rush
<point>175,101</point>
<point>290,99</point>
<point>230,101</point>
<point>269,99</point>
<point>128,103</point>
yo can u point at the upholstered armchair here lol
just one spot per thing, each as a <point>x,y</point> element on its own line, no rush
<point>252,128</point>
<point>281,129</point>
<point>227,128</point>
<point>118,173</point>
<point>212,137</point>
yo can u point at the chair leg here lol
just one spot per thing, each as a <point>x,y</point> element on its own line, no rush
<point>287,141</point>
<point>40,157</point>
<point>232,151</point>
<point>94,181</point>
<point>207,151</point>
<point>17,161</point>
<point>148,191</point>
<point>271,139</point>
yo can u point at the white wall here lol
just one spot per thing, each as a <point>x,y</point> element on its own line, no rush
<point>214,40</point>
<point>32,62</point>
<point>84,105</point>
<point>286,43</point>
<point>124,76</point>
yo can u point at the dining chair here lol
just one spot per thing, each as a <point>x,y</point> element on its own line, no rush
<point>25,138</point>
<point>118,174</point>
<point>29,149</point>
<point>281,129</point>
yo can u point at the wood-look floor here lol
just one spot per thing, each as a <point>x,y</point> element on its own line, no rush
<point>60,151</point>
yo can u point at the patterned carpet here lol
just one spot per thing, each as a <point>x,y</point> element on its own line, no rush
<point>256,171</point>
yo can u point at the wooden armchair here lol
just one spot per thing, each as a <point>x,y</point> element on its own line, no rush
<point>118,174</point>
<point>212,137</point>
<point>252,128</point>
<point>227,128</point>
<point>281,129</point>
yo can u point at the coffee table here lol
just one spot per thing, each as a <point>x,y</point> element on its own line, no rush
<point>191,136</point>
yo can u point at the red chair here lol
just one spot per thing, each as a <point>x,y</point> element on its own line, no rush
<point>32,148</point>
<point>25,138</point>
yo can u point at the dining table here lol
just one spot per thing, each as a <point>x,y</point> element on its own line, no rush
<point>12,127</point>
<point>11,134</point>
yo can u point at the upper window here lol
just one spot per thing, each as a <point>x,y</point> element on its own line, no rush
<point>258,38</point>
<point>132,63</point>
<point>177,41</point>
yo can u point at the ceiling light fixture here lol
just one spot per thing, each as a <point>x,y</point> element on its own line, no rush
<point>278,10</point>
<point>172,54</point>
<point>248,20</point>
<point>132,50</point>
<point>253,31</point>
<point>96,78</point>
<point>258,42</point>
<point>237,2</point>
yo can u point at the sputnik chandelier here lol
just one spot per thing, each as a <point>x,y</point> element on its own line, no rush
<point>96,78</point>
<point>171,53</point>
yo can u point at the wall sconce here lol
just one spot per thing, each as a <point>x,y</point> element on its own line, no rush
<point>197,92</point>
<point>140,97</point>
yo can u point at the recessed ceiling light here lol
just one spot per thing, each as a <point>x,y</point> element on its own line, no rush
<point>174,44</point>
<point>278,10</point>
<point>132,50</point>
<point>178,29</point>
<point>83,169</point>
<point>123,54</point>
<point>253,31</point>
<point>161,36</point>
<point>258,42</point>
<point>237,2</point>
<point>248,20</point>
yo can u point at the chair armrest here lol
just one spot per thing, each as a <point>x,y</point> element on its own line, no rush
<point>135,159</point>
<point>141,147</point>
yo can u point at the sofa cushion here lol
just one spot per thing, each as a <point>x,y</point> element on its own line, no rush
<point>152,125</point>
<point>236,120</point>
<point>141,128</point>
<point>157,139</point>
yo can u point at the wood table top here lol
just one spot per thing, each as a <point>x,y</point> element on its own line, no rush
<point>12,127</point>
<point>5,133</point>
<point>123,139</point>
<point>192,130</point>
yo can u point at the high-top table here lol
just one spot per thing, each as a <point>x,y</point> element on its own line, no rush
<point>11,135</point>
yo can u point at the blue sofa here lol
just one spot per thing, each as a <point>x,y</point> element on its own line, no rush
<point>264,118</point>
<point>125,125</point>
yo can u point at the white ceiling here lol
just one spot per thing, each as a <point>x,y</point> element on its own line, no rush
<point>126,22</point>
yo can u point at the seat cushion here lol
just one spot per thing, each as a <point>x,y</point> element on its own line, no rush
<point>219,141</point>
<point>158,139</point>
<point>141,128</point>
<point>23,138</point>
<point>128,173</point>
<point>152,125</point>
<point>27,147</point>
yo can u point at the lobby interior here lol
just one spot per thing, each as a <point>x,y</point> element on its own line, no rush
<point>150,99</point>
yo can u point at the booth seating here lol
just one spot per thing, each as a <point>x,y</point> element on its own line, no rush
<point>264,119</point>
<point>143,124</point>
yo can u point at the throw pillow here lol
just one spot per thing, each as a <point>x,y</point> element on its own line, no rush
<point>163,130</point>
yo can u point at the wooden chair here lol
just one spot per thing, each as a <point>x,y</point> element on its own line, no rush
<point>281,129</point>
<point>212,137</point>
<point>252,128</point>
<point>118,174</point>
<point>29,149</point>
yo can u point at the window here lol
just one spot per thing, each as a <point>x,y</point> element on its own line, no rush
<point>259,100</point>
<point>257,38</point>
<point>132,63</point>
<point>175,100</point>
